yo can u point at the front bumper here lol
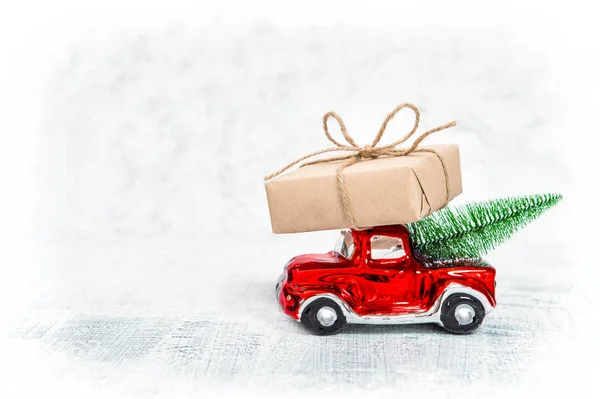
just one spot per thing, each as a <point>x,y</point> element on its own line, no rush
<point>288,302</point>
<point>278,286</point>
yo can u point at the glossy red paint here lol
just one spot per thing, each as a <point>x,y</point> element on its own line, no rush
<point>407,285</point>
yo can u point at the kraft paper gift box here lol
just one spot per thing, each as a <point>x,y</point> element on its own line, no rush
<point>381,191</point>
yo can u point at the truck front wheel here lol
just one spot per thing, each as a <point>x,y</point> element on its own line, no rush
<point>323,316</point>
<point>462,313</point>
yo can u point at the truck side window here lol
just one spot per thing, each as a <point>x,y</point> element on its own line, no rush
<point>383,247</point>
<point>345,244</point>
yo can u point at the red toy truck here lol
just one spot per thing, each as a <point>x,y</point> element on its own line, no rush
<point>375,277</point>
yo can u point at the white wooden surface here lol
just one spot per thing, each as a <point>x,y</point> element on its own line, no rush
<point>138,259</point>
<point>128,318</point>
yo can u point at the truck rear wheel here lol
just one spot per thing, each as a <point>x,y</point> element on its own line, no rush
<point>323,316</point>
<point>462,313</point>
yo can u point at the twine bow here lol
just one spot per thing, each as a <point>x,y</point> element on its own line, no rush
<point>370,151</point>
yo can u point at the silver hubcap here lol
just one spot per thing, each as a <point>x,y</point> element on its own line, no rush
<point>464,314</point>
<point>326,316</point>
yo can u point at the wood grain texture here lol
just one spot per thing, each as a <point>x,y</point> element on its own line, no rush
<point>272,354</point>
<point>143,316</point>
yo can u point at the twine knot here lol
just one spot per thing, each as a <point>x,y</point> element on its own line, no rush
<point>370,151</point>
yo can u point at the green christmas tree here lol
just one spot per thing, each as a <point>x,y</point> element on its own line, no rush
<point>471,230</point>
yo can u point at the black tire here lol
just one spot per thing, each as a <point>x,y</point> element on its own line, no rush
<point>310,320</point>
<point>449,317</point>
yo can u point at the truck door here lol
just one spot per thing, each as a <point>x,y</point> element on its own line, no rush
<point>390,281</point>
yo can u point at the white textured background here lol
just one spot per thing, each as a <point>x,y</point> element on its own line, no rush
<point>136,257</point>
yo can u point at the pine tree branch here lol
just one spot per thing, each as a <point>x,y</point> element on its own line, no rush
<point>471,230</point>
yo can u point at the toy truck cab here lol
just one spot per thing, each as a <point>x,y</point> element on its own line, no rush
<point>374,277</point>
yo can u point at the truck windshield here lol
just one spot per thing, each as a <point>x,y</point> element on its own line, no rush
<point>345,244</point>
